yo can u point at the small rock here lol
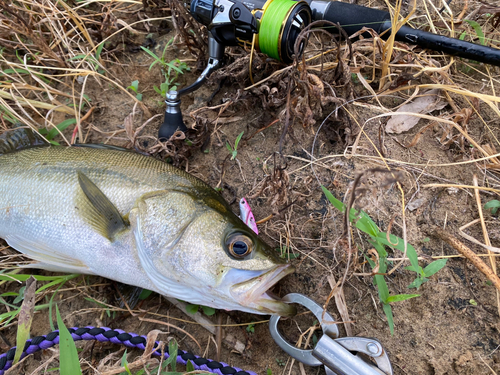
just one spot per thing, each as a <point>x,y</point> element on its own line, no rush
<point>464,358</point>
<point>413,205</point>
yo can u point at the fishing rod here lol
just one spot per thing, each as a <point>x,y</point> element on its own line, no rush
<point>273,26</point>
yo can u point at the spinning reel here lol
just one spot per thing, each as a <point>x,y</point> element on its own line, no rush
<point>274,25</point>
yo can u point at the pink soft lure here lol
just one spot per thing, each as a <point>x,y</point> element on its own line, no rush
<point>246,215</point>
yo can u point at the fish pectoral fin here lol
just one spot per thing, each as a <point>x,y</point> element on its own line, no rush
<point>47,257</point>
<point>99,212</point>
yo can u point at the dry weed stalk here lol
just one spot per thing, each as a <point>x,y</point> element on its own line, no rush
<point>469,254</point>
<point>49,52</point>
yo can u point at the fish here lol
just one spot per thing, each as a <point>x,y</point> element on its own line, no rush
<point>132,218</point>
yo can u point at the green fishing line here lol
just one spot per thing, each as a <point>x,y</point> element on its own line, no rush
<point>271,26</point>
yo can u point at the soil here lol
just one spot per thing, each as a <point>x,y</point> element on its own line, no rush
<point>451,328</point>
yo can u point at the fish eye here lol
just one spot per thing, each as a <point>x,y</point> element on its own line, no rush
<point>239,245</point>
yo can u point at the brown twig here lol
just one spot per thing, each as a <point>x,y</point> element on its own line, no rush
<point>218,335</point>
<point>469,254</point>
<point>155,321</point>
<point>206,323</point>
<point>261,129</point>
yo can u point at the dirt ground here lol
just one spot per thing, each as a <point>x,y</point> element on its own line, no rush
<point>451,328</point>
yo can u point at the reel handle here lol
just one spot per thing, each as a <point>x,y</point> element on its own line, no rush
<point>173,115</point>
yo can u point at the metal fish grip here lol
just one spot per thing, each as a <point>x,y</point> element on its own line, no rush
<point>341,356</point>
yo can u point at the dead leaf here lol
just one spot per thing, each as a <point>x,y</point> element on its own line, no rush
<point>488,8</point>
<point>426,103</point>
<point>25,317</point>
<point>150,343</point>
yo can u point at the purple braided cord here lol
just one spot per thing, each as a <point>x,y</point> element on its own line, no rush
<point>42,342</point>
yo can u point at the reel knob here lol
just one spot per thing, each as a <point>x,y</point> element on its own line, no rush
<point>173,117</point>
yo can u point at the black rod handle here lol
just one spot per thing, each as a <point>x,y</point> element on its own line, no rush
<point>450,46</point>
<point>354,17</point>
<point>351,17</point>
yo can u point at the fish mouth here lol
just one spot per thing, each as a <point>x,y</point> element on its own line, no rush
<point>253,293</point>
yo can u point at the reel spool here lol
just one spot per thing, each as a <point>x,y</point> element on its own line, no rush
<point>275,24</point>
<point>280,25</point>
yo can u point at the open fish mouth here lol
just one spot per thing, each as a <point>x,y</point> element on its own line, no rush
<point>253,293</point>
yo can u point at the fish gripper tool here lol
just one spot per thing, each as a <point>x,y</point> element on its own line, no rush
<point>340,356</point>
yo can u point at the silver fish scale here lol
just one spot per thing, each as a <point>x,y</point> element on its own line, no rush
<point>40,198</point>
<point>175,244</point>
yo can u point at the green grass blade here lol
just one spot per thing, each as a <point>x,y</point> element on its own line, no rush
<point>60,127</point>
<point>99,50</point>
<point>478,30</point>
<point>390,319</point>
<point>380,249</point>
<point>398,243</point>
<point>60,280</point>
<point>145,293</point>
<point>434,267</point>
<point>124,363</point>
<point>361,220</point>
<point>51,323</point>
<point>10,71</point>
<point>152,54</point>
<point>83,58</point>
<point>171,65</point>
<point>334,201</point>
<point>383,289</point>
<point>172,352</point>
<point>12,314</point>
<point>68,355</point>
<point>22,277</point>
<point>7,317</point>
<point>4,302</point>
<point>238,139</point>
<point>401,297</point>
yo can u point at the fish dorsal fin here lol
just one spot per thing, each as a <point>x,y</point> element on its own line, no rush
<point>101,147</point>
<point>99,212</point>
<point>20,138</point>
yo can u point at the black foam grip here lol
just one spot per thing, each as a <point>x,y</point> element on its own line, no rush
<point>171,123</point>
<point>354,17</point>
<point>450,46</point>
